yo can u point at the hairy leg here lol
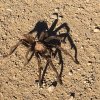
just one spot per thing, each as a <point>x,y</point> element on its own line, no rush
<point>67,35</point>
<point>55,70</point>
<point>44,71</point>
<point>60,61</point>
<point>63,37</point>
<point>64,25</point>
<point>39,68</point>
<point>28,59</point>
<point>13,48</point>
<point>65,52</point>
<point>54,23</point>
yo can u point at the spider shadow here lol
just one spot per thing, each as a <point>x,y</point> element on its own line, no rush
<point>42,27</point>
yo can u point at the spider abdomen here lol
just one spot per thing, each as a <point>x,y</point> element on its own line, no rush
<point>39,47</point>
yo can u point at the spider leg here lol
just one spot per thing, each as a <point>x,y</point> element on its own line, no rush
<point>13,48</point>
<point>64,35</point>
<point>76,60</point>
<point>59,54</point>
<point>62,26</point>
<point>60,61</point>
<point>71,43</point>
<point>65,52</point>
<point>55,53</point>
<point>43,35</point>
<point>58,77</point>
<point>69,38</point>
<point>44,71</point>
<point>74,47</point>
<point>39,68</point>
<point>53,24</point>
<point>28,59</point>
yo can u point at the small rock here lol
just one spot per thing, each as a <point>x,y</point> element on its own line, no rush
<point>9,10</point>
<point>81,47</point>
<point>71,98</point>
<point>85,82</point>
<point>0,55</point>
<point>14,97</point>
<point>51,88</point>
<point>60,17</point>
<point>70,72</point>
<point>79,69</point>
<point>2,18</point>
<point>97,29</point>
<point>53,16</point>
<point>1,96</point>
<point>57,10</point>
<point>89,63</point>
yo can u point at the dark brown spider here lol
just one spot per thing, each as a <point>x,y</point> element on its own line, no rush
<point>39,49</point>
<point>44,32</point>
<point>43,47</point>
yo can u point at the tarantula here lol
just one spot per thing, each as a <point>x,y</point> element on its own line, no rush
<point>43,32</point>
<point>43,47</point>
<point>39,49</point>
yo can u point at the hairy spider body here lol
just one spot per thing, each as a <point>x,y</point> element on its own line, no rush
<point>38,49</point>
<point>43,49</point>
<point>47,45</point>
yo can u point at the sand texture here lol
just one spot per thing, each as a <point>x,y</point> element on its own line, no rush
<point>80,81</point>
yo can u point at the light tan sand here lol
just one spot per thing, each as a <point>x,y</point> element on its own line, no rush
<point>18,17</point>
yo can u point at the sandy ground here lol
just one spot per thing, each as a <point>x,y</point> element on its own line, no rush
<point>18,17</point>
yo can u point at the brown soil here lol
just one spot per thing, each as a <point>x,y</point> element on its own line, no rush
<point>18,17</point>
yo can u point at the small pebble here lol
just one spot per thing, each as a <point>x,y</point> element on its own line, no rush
<point>78,69</point>
<point>0,55</point>
<point>53,16</point>
<point>9,10</point>
<point>85,82</point>
<point>82,47</point>
<point>89,63</point>
<point>97,29</point>
<point>51,88</point>
<point>70,72</point>
<point>71,98</point>
<point>57,10</point>
<point>60,17</point>
<point>1,96</point>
